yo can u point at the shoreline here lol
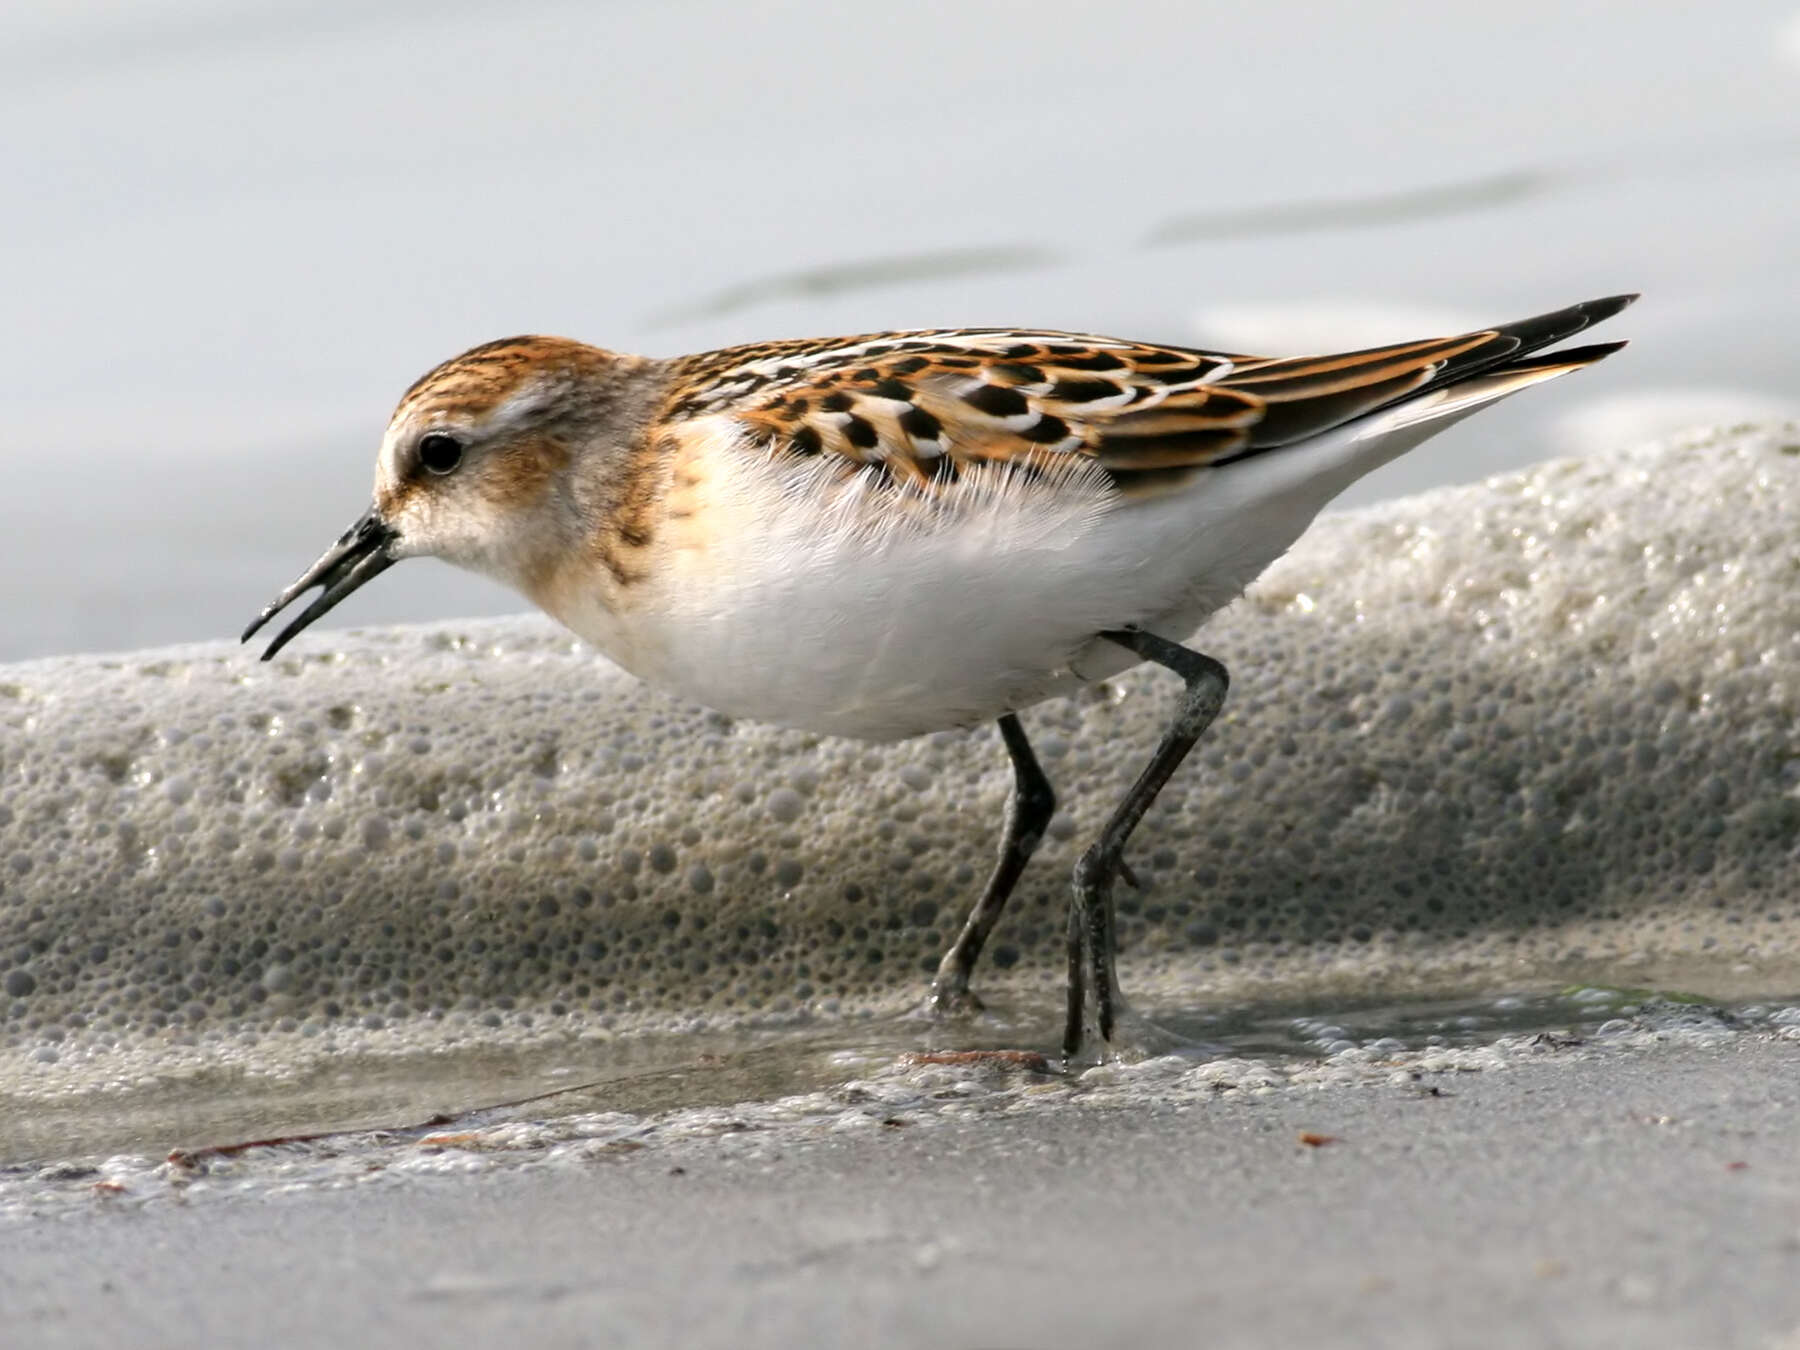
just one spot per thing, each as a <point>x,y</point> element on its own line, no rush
<point>1635,1193</point>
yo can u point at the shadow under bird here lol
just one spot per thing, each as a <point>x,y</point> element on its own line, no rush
<point>904,532</point>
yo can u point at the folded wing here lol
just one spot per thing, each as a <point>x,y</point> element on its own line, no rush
<point>915,409</point>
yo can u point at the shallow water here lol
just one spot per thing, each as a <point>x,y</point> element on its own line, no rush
<point>476,1087</point>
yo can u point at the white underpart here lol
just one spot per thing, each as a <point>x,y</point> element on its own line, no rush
<point>832,607</point>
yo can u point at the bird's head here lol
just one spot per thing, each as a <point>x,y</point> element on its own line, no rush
<point>478,468</point>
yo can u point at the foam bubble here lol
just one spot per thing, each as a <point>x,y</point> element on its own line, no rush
<point>1542,725</point>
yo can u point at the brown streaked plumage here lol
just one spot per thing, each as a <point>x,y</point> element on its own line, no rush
<point>914,402</point>
<point>892,534</point>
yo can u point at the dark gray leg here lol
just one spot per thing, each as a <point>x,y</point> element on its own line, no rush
<point>1091,914</point>
<point>1033,803</point>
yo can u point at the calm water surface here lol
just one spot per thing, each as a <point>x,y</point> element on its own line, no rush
<point>650,1073</point>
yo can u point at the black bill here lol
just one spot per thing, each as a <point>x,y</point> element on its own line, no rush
<point>360,554</point>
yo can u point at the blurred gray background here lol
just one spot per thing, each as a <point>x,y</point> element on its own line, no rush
<point>235,232</point>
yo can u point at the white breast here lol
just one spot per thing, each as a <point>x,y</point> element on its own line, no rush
<point>789,594</point>
<point>795,596</point>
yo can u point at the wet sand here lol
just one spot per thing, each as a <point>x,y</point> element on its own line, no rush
<point>1638,1195</point>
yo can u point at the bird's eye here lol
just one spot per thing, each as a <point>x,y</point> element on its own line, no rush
<point>440,453</point>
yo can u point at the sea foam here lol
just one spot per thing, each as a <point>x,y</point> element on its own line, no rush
<point>1546,726</point>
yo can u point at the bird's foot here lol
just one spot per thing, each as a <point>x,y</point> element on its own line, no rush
<point>950,999</point>
<point>1134,1038</point>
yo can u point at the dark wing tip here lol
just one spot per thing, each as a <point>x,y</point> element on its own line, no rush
<point>1598,311</point>
<point>1513,344</point>
<point>1570,357</point>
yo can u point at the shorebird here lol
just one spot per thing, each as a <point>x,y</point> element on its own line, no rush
<point>903,532</point>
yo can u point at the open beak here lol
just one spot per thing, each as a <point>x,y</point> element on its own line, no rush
<point>360,554</point>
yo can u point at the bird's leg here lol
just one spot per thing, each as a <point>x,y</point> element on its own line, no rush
<point>1091,913</point>
<point>1027,814</point>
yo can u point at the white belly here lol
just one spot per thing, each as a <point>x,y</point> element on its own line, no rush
<point>786,597</point>
<point>813,606</point>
